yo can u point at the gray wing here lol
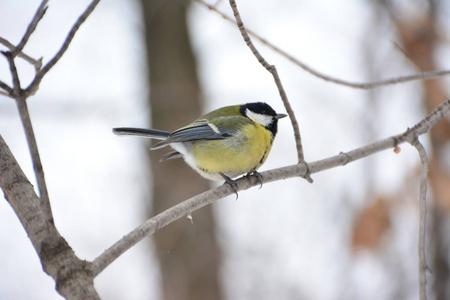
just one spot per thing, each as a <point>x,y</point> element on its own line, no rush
<point>200,130</point>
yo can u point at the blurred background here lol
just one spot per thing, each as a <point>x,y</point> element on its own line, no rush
<point>352,234</point>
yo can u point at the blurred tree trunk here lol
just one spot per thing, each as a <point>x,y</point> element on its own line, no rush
<point>188,253</point>
<point>420,38</point>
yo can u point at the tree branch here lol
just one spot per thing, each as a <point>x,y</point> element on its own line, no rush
<point>7,88</point>
<point>312,71</point>
<point>272,69</point>
<point>34,85</point>
<point>21,95</point>
<point>36,159</point>
<point>186,208</point>
<point>37,63</point>
<point>73,277</point>
<point>31,27</point>
<point>423,267</point>
<point>16,90</point>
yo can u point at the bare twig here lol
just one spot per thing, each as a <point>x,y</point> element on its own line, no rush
<point>272,69</point>
<point>21,96</point>
<point>37,63</point>
<point>18,94</point>
<point>3,93</point>
<point>36,158</point>
<point>16,91</point>
<point>304,66</point>
<point>422,220</point>
<point>31,27</point>
<point>34,85</point>
<point>186,208</point>
<point>7,88</point>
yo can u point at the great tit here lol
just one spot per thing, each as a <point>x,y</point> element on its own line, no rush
<point>223,144</point>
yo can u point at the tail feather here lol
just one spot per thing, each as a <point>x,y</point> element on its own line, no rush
<point>171,155</point>
<point>148,133</point>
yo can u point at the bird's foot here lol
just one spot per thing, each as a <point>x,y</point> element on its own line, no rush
<point>259,177</point>
<point>232,183</point>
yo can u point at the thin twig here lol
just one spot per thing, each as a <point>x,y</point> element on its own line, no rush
<point>3,93</point>
<point>304,66</point>
<point>36,158</point>
<point>272,69</point>
<point>31,27</point>
<point>34,85</point>
<point>37,63</point>
<point>7,88</point>
<point>187,207</point>
<point>422,219</point>
<point>22,95</point>
<point>21,98</point>
<point>16,90</point>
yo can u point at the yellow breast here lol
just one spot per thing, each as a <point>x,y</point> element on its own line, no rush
<point>242,153</point>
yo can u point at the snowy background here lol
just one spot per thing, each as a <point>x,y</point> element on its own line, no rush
<point>289,240</point>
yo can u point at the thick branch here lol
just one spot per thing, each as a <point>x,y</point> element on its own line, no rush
<point>34,85</point>
<point>73,276</point>
<point>304,66</point>
<point>272,69</point>
<point>299,170</point>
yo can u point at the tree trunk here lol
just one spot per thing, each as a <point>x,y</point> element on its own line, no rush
<point>188,253</point>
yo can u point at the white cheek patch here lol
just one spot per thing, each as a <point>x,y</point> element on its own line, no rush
<point>264,120</point>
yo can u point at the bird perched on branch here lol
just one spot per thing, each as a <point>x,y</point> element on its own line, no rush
<point>223,144</point>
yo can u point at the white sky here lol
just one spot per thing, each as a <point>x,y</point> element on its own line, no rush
<point>277,245</point>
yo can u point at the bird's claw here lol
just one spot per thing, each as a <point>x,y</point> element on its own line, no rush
<point>259,177</point>
<point>232,183</point>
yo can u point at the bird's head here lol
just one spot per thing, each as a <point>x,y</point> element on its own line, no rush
<point>263,114</point>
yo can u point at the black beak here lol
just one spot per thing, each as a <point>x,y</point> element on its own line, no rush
<point>280,116</point>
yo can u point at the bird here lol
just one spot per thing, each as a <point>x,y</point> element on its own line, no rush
<point>223,144</point>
